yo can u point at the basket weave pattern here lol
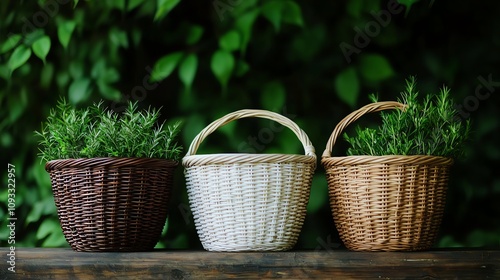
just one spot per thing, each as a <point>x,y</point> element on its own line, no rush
<point>385,203</point>
<point>112,204</point>
<point>249,202</point>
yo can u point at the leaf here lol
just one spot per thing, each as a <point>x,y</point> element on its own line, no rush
<point>35,213</point>
<point>222,66</point>
<point>17,104</point>
<point>75,3</point>
<point>291,13</point>
<point>347,86</point>
<point>41,47</point>
<point>116,4</point>
<point>108,92</point>
<point>194,34</point>
<point>244,25</point>
<point>111,75</point>
<point>278,11</point>
<point>165,66</point>
<point>187,70</point>
<point>97,71</point>
<point>272,10</point>
<point>55,240</point>
<point>62,79</point>
<point>375,67</point>
<point>79,90</point>
<point>20,55</point>
<point>230,41</point>
<point>164,7</point>
<point>242,68</point>
<point>76,69</point>
<point>118,37</point>
<point>132,4</point>
<point>64,31</point>
<point>273,96</point>
<point>10,43</point>
<point>46,75</point>
<point>47,227</point>
<point>241,6</point>
<point>41,178</point>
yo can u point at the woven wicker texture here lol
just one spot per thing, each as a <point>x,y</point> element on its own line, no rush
<point>112,204</point>
<point>249,202</point>
<point>385,203</point>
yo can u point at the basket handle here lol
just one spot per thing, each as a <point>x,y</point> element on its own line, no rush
<point>251,113</point>
<point>352,117</point>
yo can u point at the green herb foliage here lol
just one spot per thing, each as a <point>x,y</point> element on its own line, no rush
<point>97,132</point>
<point>426,127</point>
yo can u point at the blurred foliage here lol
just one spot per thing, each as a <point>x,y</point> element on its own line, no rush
<point>314,61</point>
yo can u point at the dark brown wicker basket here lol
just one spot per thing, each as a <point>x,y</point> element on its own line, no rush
<point>112,204</point>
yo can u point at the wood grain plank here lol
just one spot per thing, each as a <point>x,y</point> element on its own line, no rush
<point>46,263</point>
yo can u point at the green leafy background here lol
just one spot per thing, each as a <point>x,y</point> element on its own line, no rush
<point>199,60</point>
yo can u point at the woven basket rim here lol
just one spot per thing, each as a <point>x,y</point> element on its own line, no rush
<point>241,158</point>
<point>58,164</point>
<point>387,159</point>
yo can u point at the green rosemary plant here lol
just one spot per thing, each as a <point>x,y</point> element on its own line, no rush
<point>426,127</point>
<point>97,132</point>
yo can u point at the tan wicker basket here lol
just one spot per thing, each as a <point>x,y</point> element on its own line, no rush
<point>249,202</point>
<point>112,204</point>
<point>385,203</point>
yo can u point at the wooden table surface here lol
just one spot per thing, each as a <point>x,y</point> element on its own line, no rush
<point>46,263</point>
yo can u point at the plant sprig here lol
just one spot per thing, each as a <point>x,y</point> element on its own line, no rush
<point>427,127</point>
<point>97,132</point>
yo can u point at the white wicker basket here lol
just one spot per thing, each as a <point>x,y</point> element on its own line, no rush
<point>249,202</point>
